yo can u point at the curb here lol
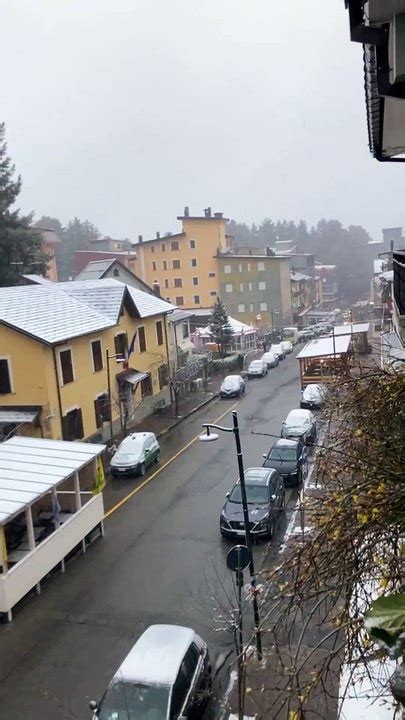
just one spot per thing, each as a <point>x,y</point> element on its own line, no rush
<point>184,417</point>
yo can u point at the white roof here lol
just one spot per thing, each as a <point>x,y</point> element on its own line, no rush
<point>325,346</point>
<point>95,269</point>
<point>56,312</point>
<point>157,655</point>
<point>237,327</point>
<point>31,467</point>
<point>352,328</point>
<point>37,279</point>
<point>297,276</point>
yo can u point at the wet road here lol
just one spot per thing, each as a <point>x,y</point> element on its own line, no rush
<point>162,560</point>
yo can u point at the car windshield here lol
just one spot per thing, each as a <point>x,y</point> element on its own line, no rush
<point>286,454</point>
<point>256,494</point>
<point>256,363</point>
<point>130,701</point>
<point>124,457</point>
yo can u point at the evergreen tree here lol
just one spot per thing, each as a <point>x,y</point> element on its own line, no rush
<point>20,244</point>
<point>77,235</point>
<point>220,327</point>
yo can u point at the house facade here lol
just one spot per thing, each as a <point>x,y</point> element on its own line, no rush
<point>53,358</point>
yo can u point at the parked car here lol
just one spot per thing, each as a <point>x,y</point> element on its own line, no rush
<point>270,358</point>
<point>134,454</point>
<point>299,424</point>
<point>266,499</point>
<point>278,350</point>
<point>289,458</point>
<point>287,346</point>
<point>167,674</point>
<point>257,368</point>
<point>305,335</point>
<point>232,386</point>
<point>313,396</point>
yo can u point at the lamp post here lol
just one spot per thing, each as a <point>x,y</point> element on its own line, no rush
<point>118,358</point>
<point>209,437</point>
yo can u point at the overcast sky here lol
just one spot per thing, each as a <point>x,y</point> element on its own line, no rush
<point>124,111</point>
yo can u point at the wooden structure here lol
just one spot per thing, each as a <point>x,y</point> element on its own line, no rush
<point>321,360</point>
<point>50,503</point>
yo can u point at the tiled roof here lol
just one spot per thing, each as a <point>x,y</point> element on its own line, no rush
<point>46,313</point>
<point>105,296</point>
<point>95,269</point>
<point>148,305</point>
<point>37,279</point>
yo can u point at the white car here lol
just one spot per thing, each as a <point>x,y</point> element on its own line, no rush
<point>299,424</point>
<point>166,674</point>
<point>232,386</point>
<point>257,368</point>
<point>278,350</point>
<point>287,346</point>
<point>313,396</point>
<point>270,358</point>
<point>134,454</point>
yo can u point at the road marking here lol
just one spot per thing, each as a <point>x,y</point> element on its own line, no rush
<point>162,467</point>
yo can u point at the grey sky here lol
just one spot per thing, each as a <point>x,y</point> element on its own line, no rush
<point>124,111</point>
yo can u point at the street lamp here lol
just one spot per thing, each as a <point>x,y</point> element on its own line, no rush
<point>120,359</point>
<point>210,437</point>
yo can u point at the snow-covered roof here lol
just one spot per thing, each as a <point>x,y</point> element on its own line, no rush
<point>56,312</point>
<point>95,269</point>
<point>157,655</point>
<point>297,277</point>
<point>37,279</point>
<point>325,346</point>
<point>237,328</point>
<point>31,467</point>
<point>351,328</point>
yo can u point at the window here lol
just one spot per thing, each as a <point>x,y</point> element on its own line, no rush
<point>146,386</point>
<point>121,344</point>
<point>163,372</point>
<point>251,307</point>
<point>193,262</point>
<point>262,285</point>
<point>248,267</point>
<point>213,293</point>
<point>5,377</point>
<point>186,331</point>
<point>154,266</point>
<point>152,249</point>
<point>102,409</point>
<point>72,425</point>
<point>116,272</point>
<point>241,308</point>
<point>176,265</point>
<point>174,245</point>
<point>196,299</point>
<point>179,300</point>
<point>250,287</point>
<point>66,366</point>
<point>260,266</point>
<point>195,280</point>
<point>159,332</point>
<point>263,306</point>
<point>166,283</point>
<point>240,267</point>
<point>178,282</point>
<point>97,355</point>
<point>190,661</point>
<point>163,248</point>
<point>179,693</point>
<point>192,244</point>
<point>227,269</point>
<point>142,339</point>
<point>164,264</point>
<point>228,287</point>
<point>211,274</point>
<point>241,287</point>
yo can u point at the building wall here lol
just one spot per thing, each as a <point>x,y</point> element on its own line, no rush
<point>34,378</point>
<point>242,294</point>
<point>155,264</point>
<point>51,273</point>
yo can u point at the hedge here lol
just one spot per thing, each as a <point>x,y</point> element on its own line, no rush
<point>232,362</point>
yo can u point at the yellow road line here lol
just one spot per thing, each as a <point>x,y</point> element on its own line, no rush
<point>162,467</point>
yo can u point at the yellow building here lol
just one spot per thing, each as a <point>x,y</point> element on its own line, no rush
<point>54,340</point>
<point>185,265</point>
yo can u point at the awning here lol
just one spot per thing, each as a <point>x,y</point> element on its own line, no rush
<point>133,377</point>
<point>18,416</point>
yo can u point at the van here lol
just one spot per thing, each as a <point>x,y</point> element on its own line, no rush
<point>167,674</point>
<point>291,334</point>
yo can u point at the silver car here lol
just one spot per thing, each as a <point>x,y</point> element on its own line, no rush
<point>232,386</point>
<point>167,674</point>
<point>136,452</point>
<point>299,424</point>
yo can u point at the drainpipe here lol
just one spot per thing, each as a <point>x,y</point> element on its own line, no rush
<point>168,358</point>
<point>58,389</point>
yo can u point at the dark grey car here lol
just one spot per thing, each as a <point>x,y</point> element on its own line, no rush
<point>289,458</point>
<point>266,499</point>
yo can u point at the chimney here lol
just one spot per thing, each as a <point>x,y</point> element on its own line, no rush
<point>158,236</point>
<point>218,215</point>
<point>140,239</point>
<point>186,211</point>
<point>207,212</point>
<point>156,289</point>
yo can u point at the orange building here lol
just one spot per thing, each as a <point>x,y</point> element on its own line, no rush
<point>185,265</point>
<point>49,242</point>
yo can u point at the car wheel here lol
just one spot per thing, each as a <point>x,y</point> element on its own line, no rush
<point>157,458</point>
<point>142,469</point>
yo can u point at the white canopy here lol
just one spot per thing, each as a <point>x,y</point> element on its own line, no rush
<point>352,328</point>
<point>31,467</point>
<point>325,346</point>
